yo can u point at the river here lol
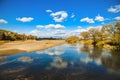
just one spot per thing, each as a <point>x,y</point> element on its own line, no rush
<point>64,62</point>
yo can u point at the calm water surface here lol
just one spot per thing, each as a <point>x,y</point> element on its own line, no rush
<point>64,62</point>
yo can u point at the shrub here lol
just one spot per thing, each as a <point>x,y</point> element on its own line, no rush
<point>72,39</point>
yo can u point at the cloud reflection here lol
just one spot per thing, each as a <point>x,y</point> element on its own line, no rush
<point>13,70</point>
<point>2,59</point>
<point>25,59</point>
<point>52,51</point>
<point>106,53</point>
<point>59,63</point>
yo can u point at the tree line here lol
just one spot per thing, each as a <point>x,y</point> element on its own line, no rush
<point>108,34</point>
<point>12,36</point>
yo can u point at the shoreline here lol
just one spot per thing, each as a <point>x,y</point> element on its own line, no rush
<point>14,47</point>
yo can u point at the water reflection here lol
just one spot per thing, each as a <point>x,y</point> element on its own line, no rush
<point>13,70</point>
<point>107,58</point>
<point>53,51</point>
<point>59,63</point>
<point>64,62</point>
<point>90,60</point>
<point>25,59</point>
<point>112,62</point>
<point>2,59</point>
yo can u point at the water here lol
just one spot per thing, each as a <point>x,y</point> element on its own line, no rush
<point>64,62</point>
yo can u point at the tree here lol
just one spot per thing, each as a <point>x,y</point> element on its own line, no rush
<point>116,37</point>
<point>113,29</point>
<point>72,39</point>
<point>117,25</point>
<point>95,35</point>
<point>85,35</point>
<point>1,35</point>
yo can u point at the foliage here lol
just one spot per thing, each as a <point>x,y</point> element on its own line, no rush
<point>108,36</point>
<point>113,30</point>
<point>12,36</point>
<point>72,39</point>
<point>86,42</point>
<point>101,44</point>
<point>85,35</point>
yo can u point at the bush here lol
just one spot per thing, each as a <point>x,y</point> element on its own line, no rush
<point>72,39</point>
<point>100,44</point>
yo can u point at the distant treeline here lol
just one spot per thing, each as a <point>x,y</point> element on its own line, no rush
<point>51,38</point>
<point>13,36</point>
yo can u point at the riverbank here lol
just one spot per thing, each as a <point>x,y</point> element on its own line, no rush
<point>13,47</point>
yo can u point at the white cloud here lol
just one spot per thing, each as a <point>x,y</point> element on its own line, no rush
<point>87,20</point>
<point>41,34</point>
<point>98,27</point>
<point>79,27</point>
<point>60,33</point>
<point>35,32</point>
<point>25,19</point>
<point>99,18</point>
<point>50,30</point>
<point>57,26</point>
<point>114,9</point>
<point>67,33</point>
<point>2,21</point>
<point>72,16</point>
<point>51,26</point>
<point>48,10</point>
<point>117,18</point>
<point>47,34</point>
<point>40,26</point>
<point>59,16</point>
<point>54,33</point>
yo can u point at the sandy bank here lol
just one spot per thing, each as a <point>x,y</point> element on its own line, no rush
<point>27,46</point>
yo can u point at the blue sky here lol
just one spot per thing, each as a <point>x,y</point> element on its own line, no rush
<point>48,18</point>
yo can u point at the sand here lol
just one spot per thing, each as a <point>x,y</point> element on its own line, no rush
<point>14,47</point>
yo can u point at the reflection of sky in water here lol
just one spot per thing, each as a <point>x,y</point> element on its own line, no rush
<point>25,59</point>
<point>64,62</point>
<point>90,60</point>
<point>59,63</point>
<point>59,50</point>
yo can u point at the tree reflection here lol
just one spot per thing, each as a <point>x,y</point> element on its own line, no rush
<point>85,48</point>
<point>103,57</point>
<point>112,62</point>
<point>94,54</point>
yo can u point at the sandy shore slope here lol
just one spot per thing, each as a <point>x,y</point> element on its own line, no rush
<point>27,46</point>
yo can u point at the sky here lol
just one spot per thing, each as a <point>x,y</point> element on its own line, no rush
<point>57,18</point>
